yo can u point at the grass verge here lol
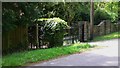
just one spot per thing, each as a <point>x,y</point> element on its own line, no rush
<point>22,58</point>
<point>107,37</point>
<point>0,62</point>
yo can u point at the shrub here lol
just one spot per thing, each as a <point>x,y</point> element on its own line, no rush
<point>53,30</point>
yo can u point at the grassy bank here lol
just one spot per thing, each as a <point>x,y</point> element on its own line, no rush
<point>107,37</point>
<point>22,58</point>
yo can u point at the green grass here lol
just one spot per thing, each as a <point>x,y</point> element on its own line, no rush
<point>22,58</point>
<point>107,37</point>
<point>0,62</point>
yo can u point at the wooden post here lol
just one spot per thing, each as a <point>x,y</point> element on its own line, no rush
<point>91,19</point>
<point>72,31</point>
<point>37,41</point>
<point>78,31</point>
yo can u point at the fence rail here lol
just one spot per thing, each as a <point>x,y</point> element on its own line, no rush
<point>82,30</point>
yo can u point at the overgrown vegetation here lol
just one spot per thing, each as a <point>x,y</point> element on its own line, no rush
<point>19,59</point>
<point>107,37</point>
<point>106,11</point>
<point>17,14</point>
<point>53,30</point>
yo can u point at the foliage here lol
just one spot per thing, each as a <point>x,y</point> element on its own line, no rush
<point>68,11</point>
<point>15,14</point>
<point>25,13</point>
<point>118,12</point>
<point>9,16</point>
<point>100,14</point>
<point>108,37</point>
<point>110,8</point>
<point>77,11</point>
<point>54,30</point>
<point>22,58</point>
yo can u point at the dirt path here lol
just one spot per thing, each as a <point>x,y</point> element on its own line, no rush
<point>107,56</point>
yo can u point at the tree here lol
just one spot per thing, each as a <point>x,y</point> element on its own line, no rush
<point>106,11</point>
<point>15,14</point>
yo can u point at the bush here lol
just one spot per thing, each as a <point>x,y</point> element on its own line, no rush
<point>53,30</point>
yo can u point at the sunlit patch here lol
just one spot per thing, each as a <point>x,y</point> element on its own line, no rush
<point>115,35</point>
<point>52,63</point>
<point>76,44</point>
<point>108,36</point>
<point>111,62</point>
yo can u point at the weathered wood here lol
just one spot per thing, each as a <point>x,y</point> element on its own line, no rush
<point>15,39</point>
<point>91,19</point>
<point>37,40</point>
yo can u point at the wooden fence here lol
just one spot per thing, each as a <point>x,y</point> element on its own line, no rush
<point>15,39</point>
<point>83,31</point>
<point>79,32</point>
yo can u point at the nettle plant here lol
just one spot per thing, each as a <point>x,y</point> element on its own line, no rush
<point>53,30</point>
